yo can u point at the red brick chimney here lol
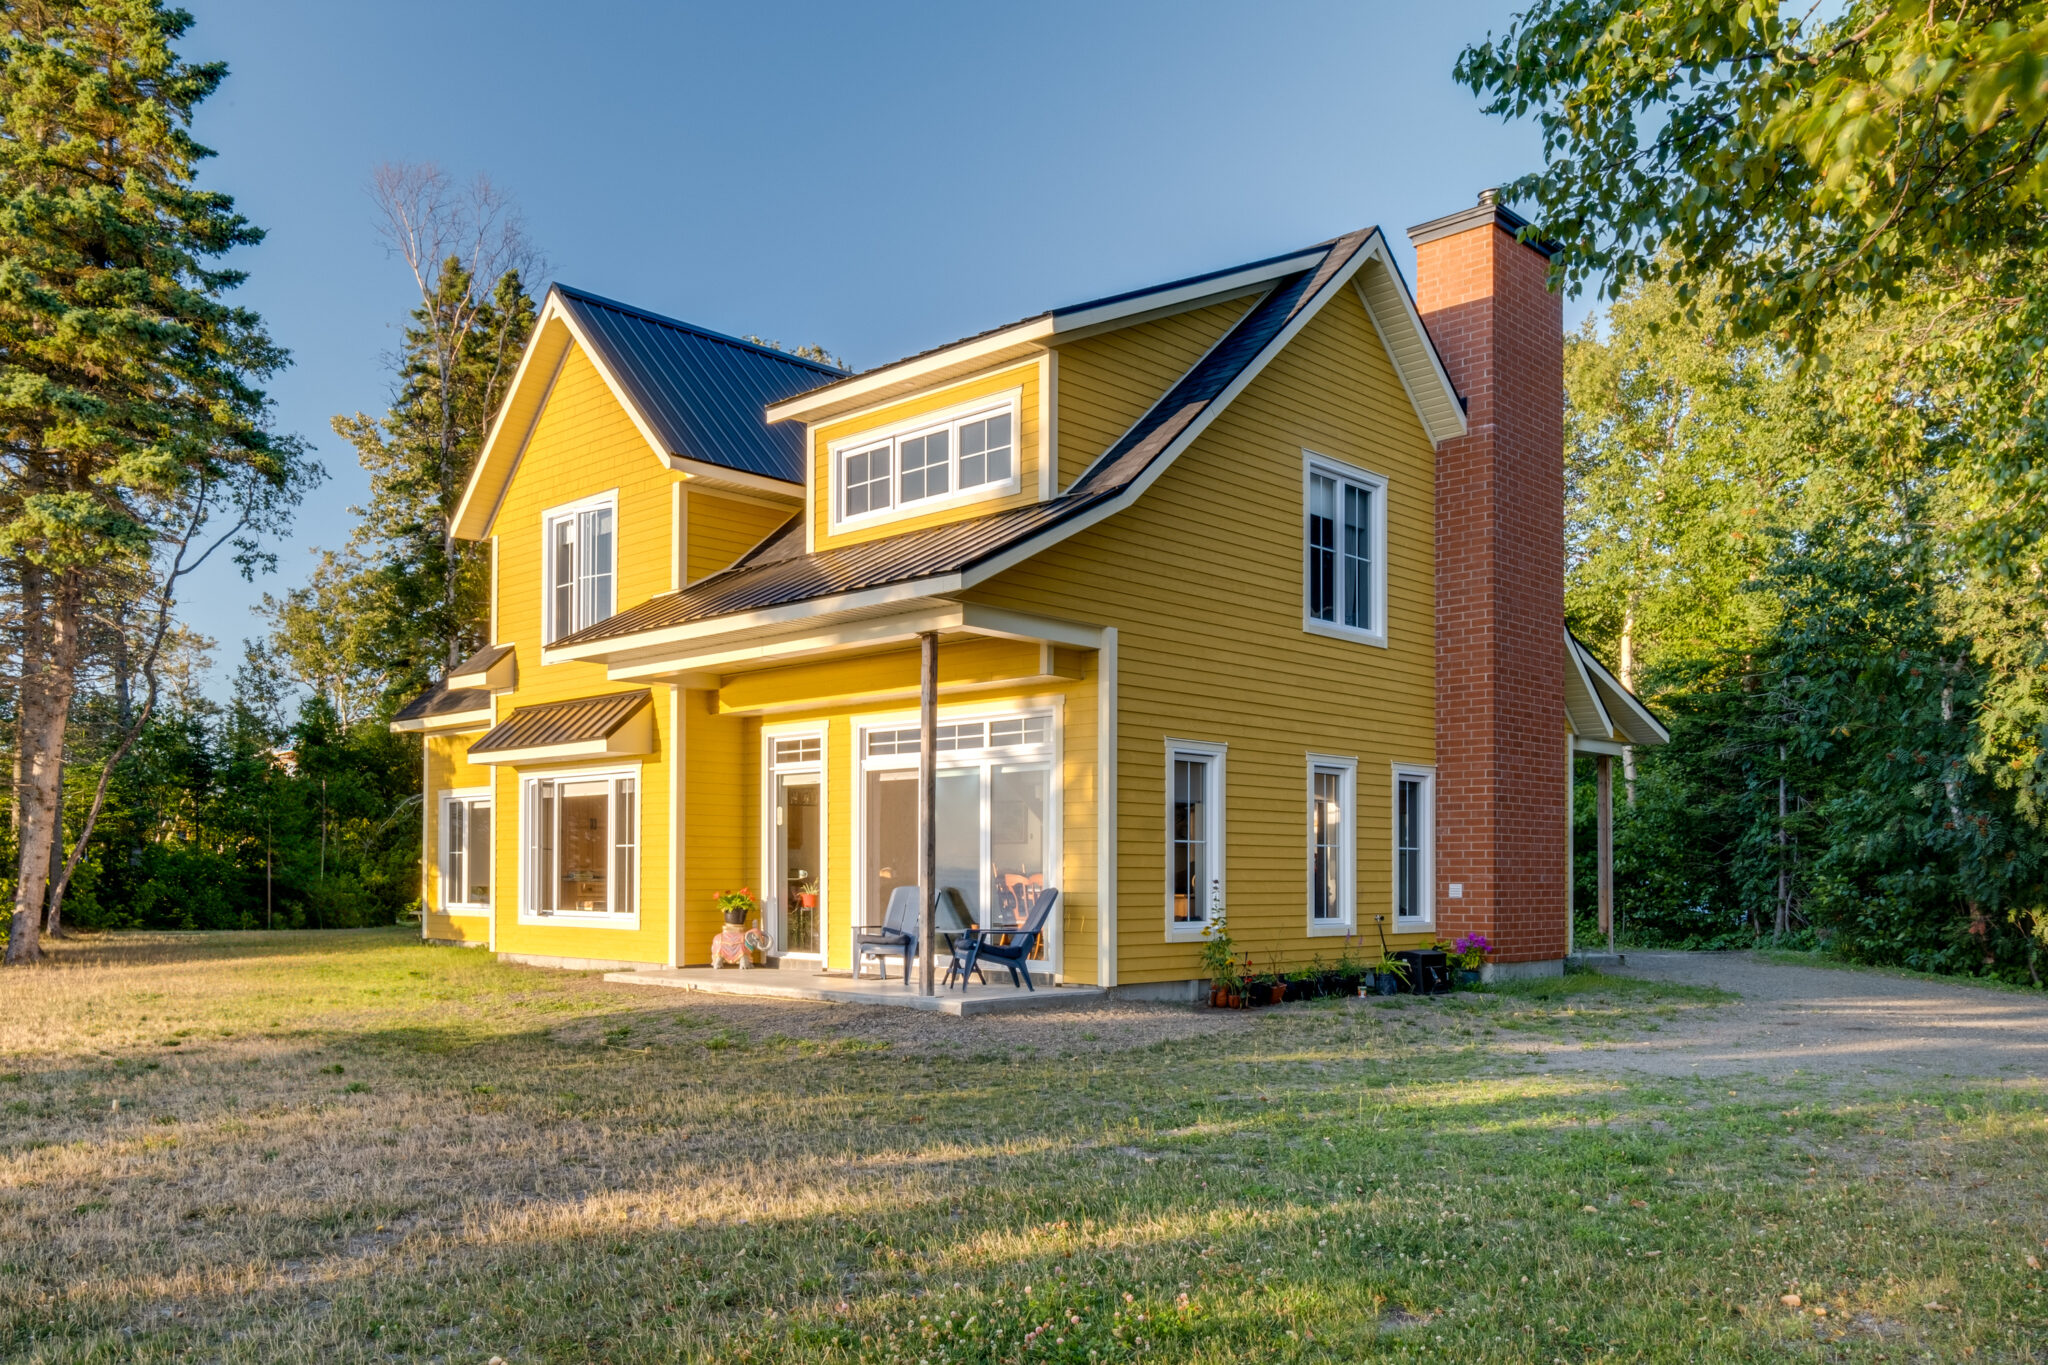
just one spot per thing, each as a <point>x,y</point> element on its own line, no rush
<point>1501,797</point>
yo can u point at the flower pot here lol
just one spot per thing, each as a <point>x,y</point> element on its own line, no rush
<point>735,917</point>
<point>1279,992</point>
<point>808,900</point>
<point>1468,978</point>
<point>1386,983</point>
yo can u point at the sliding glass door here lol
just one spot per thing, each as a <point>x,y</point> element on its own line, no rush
<point>996,819</point>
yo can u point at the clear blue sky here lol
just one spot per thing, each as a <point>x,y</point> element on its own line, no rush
<point>874,178</point>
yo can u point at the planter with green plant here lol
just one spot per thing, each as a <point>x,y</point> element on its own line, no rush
<point>1220,961</point>
<point>1466,957</point>
<point>737,907</point>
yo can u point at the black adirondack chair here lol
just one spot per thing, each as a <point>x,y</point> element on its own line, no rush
<point>898,933</point>
<point>1009,947</point>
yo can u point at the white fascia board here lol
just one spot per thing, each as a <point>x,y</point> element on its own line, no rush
<point>1017,625</point>
<point>1583,711</point>
<point>1430,391</point>
<point>1024,338</point>
<point>598,651</point>
<point>453,720</point>
<point>1042,331</point>
<point>1639,724</point>
<point>734,650</point>
<point>718,476</point>
<point>543,348</point>
<point>1613,748</point>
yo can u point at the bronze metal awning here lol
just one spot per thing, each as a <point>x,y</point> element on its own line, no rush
<point>441,707</point>
<point>616,725</point>
<point>492,668</point>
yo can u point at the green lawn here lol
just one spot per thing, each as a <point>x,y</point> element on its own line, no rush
<point>348,1147</point>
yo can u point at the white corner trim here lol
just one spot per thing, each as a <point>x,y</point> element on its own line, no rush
<point>1105,810</point>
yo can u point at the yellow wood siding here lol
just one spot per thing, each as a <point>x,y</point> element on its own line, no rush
<point>1024,376</point>
<point>1203,578</point>
<point>720,821</point>
<point>1108,382</point>
<point>723,528</point>
<point>872,679</point>
<point>447,768</point>
<point>584,444</point>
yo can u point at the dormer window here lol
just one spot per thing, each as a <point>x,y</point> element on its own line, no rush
<point>940,460</point>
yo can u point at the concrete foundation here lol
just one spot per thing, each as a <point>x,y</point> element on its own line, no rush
<point>1520,971</point>
<point>1163,992</point>
<point>573,964</point>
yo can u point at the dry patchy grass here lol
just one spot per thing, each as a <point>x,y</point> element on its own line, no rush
<point>351,1147</point>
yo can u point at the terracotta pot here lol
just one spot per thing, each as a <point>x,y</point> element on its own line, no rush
<point>808,900</point>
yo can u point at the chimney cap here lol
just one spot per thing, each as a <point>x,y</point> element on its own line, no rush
<point>1488,209</point>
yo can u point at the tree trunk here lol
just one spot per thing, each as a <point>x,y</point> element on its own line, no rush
<point>53,904</point>
<point>1628,680</point>
<point>49,675</point>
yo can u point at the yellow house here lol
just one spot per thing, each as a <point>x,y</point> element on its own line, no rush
<point>1178,554</point>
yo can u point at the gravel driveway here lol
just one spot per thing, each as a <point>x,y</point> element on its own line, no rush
<point>1828,1022</point>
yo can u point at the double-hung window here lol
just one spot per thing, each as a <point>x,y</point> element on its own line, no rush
<point>951,457</point>
<point>1194,837</point>
<point>582,854</point>
<point>581,552</point>
<point>466,851</point>
<point>1414,841</point>
<point>1345,571</point>
<point>1332,844</point>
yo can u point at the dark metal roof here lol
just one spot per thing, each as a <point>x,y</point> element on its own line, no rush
<point>778,581</point>
<point>561,722</point>
<point>480,661</point>
<point>776,573</point>
<point>439,700</point>
<point>703,392</point>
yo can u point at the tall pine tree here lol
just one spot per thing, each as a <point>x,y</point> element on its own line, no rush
<point>130,409</point>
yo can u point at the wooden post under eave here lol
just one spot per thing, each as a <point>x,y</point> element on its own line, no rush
<point>927,805</point>
<point>1605,765</point>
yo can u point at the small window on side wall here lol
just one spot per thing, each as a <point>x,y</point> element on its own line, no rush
<point>1345,569</point>
<point>1414,846</point>
<point>1194,837</point>
<point>581,547</point>
<point>465,852</point>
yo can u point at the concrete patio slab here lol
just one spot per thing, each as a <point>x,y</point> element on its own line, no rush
<point>799,985</point>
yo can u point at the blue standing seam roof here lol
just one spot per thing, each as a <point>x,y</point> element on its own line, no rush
<point>703,393</point>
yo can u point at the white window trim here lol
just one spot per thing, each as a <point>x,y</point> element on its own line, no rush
<point>770,769</point>
<point>609,919</point>
<point>449,904</point>
<point>1426,879</point>
<point>1347,849</point>
<point>1055,756</point>
<point>1313,464</point>
<point>608,498</point>
<point>1218,756</point>
<point>1010,400</point>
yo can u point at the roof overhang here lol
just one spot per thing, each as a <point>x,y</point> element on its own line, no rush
<point>620,726</point>
<point>1032,336</point>
<point>700,659</point>
<point>447,722</point>
<point>555,331</point>
<point>1604,716</point>
<point>494,668</point>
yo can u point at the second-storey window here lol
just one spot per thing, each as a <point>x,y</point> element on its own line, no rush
<point>581,549</point>
<point>955,456</point>
<point>1346,567</point>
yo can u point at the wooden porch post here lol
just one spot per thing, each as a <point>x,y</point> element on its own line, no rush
<point>1605,764</point>
<point>927,804</point>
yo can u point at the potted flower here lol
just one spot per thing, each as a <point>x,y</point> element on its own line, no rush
<point>806,892</point>
<point>1466,957</point>
<point>737,907</point>
<point>1219,959</point>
